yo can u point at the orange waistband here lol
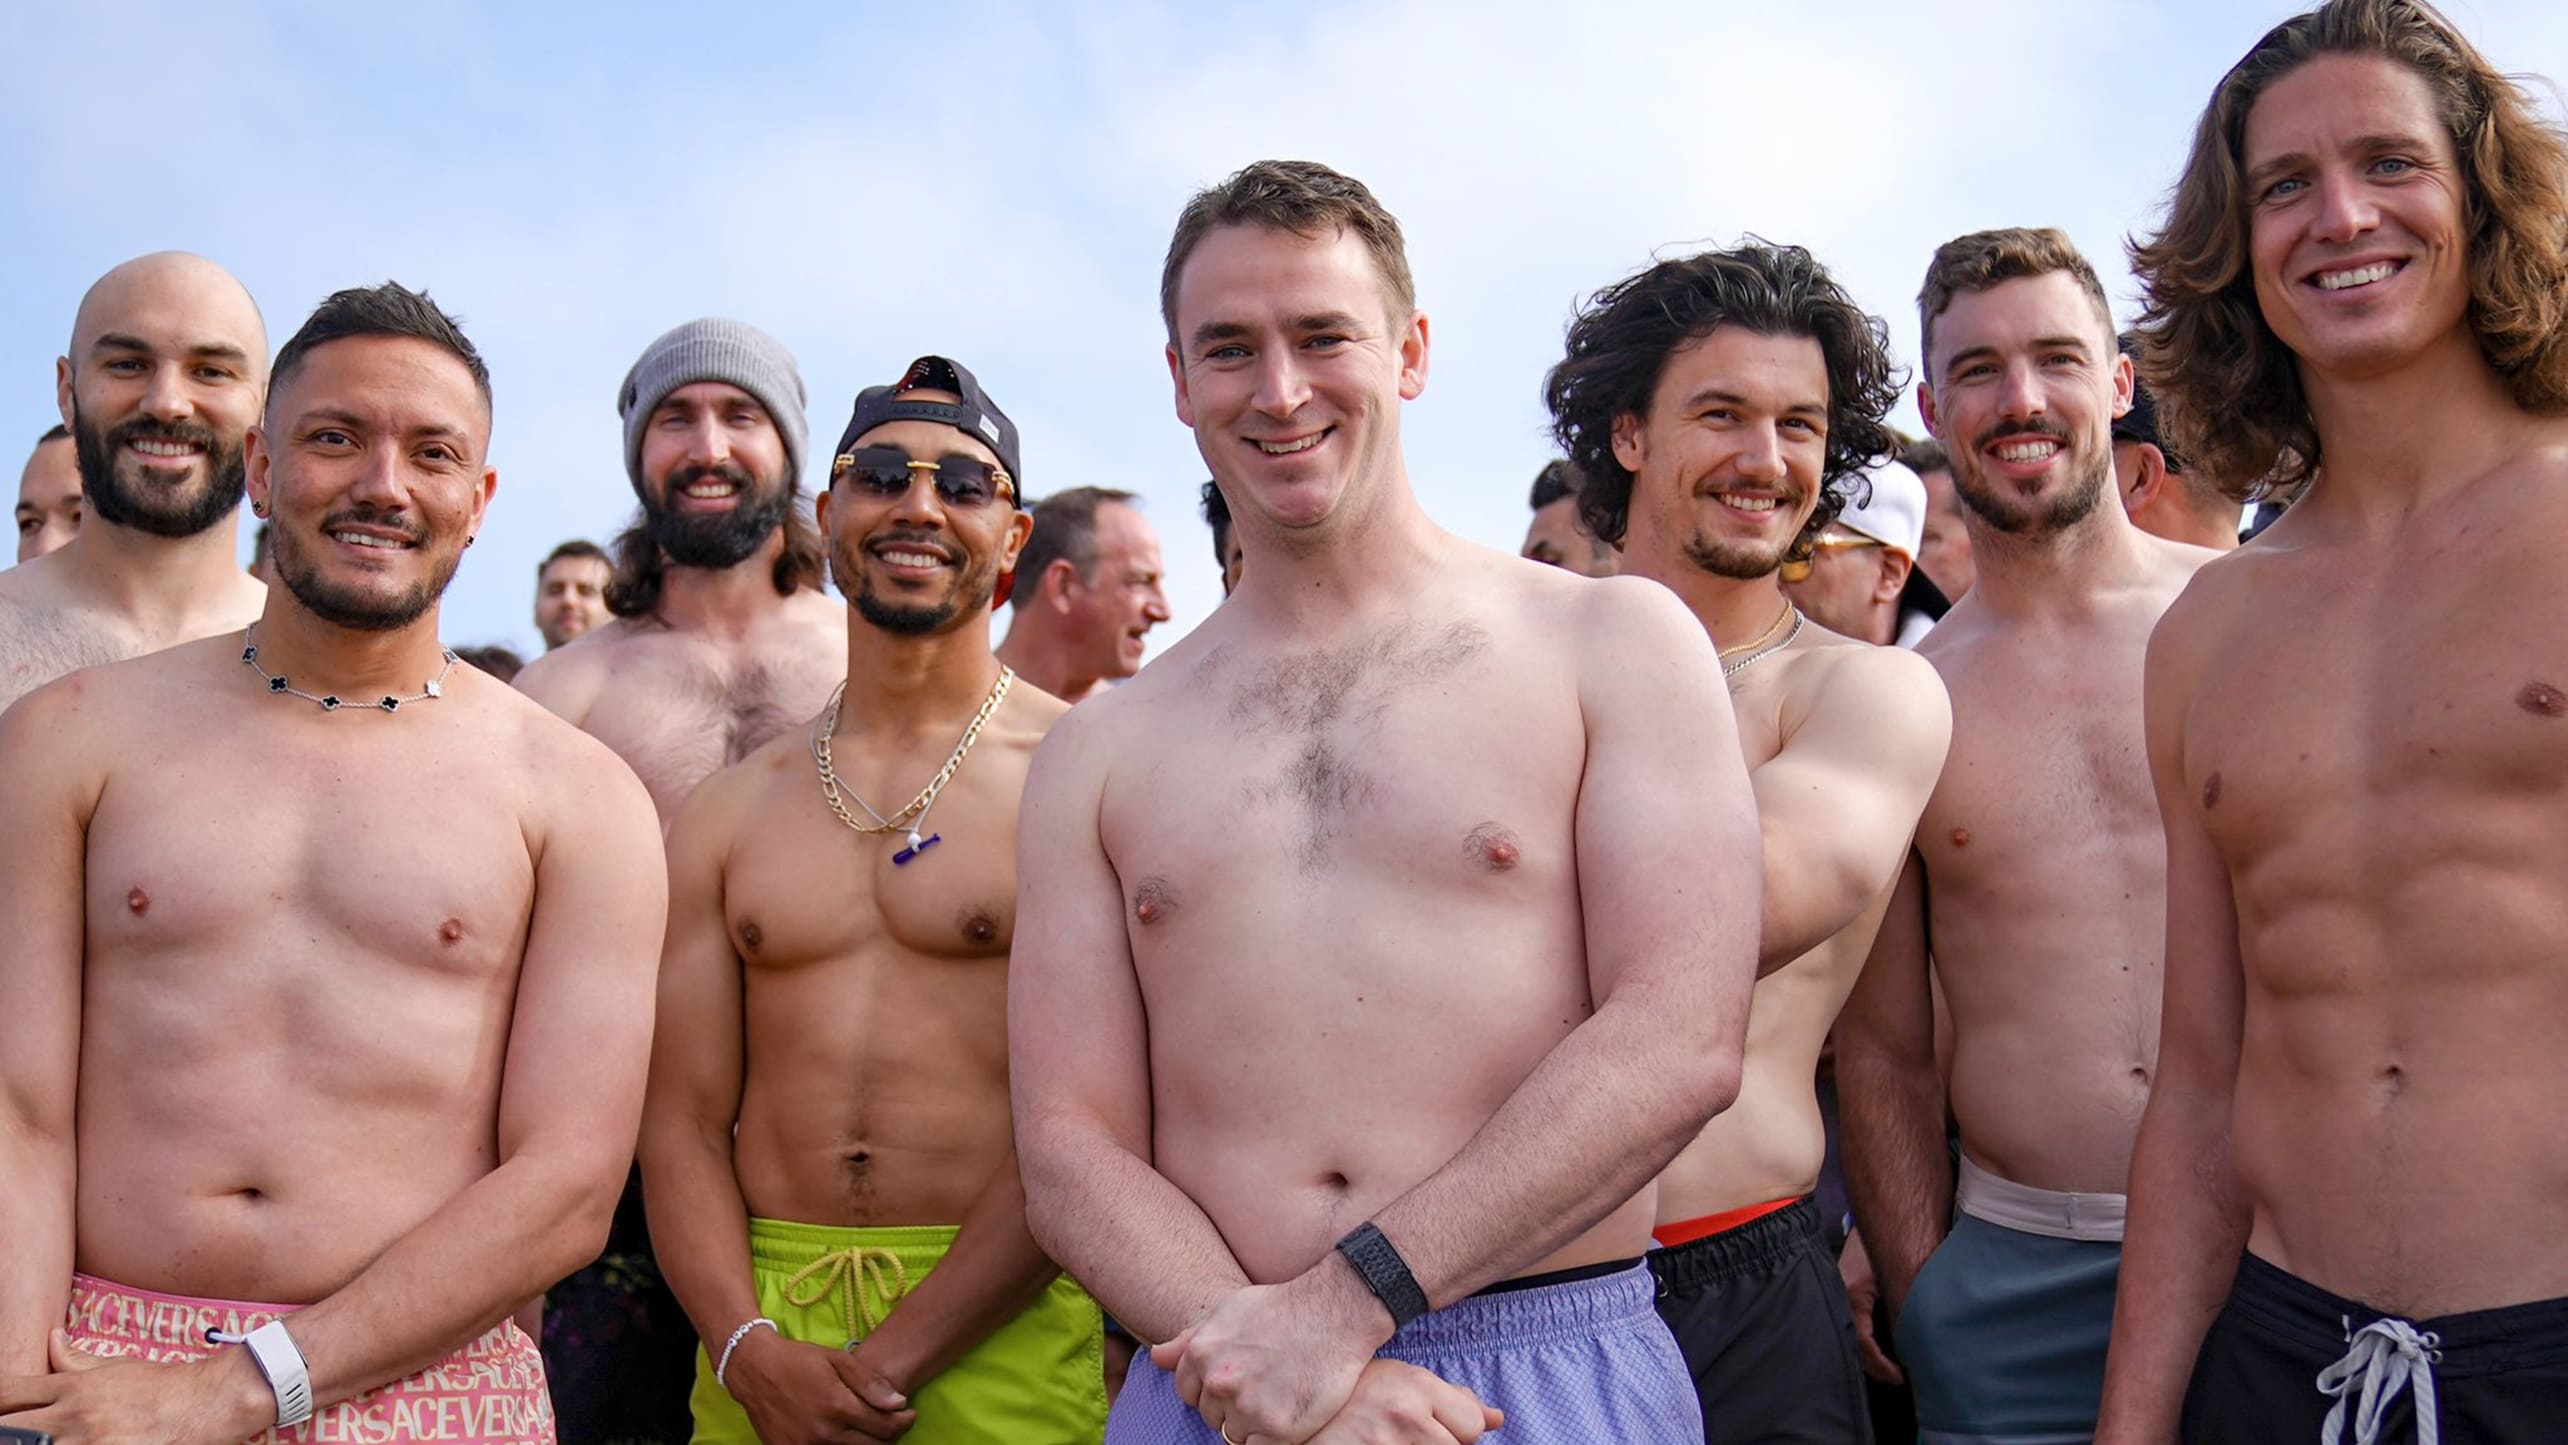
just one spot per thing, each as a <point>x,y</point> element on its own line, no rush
<point>1669,1236</point>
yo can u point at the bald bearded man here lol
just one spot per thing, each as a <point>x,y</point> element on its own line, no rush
<point>166,371</point>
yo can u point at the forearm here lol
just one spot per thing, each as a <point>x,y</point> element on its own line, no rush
<point>1899,1171</point>
<point>36,1211</point>
<point>510,1235</point>
<point>699,1224</point>
<point>2189,1221</point>
<point>1146,1251</point>
<point>990,1274</point>
<point>1592,1125</point>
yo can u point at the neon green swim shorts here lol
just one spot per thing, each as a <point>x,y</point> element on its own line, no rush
<point>1038,1380</point>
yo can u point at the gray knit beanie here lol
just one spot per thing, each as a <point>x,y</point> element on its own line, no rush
<point>712,349</point>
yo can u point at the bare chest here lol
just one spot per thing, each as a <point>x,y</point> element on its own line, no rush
<point>311,847</point>
<point>1430,763</point>
<point>803,889</point>
<point>2047,780</point>
<point>2419,723</point>
<point>678,711</point>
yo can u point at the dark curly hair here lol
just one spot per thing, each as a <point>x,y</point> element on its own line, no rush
<point>1619,346</point>
<point>2228,389</point>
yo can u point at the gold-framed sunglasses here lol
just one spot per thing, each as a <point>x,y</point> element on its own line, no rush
<point>961,481</point>
<point>1828,541</point>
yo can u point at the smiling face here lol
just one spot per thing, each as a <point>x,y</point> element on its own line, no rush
<point>714,468</point>
<point>2356,233</point>
<point>167,368</point>
<point>913,564</point>
<point>1726,466</point>
<point>371,463</point>
<point>1291,364</point>
<point>2024,381</point>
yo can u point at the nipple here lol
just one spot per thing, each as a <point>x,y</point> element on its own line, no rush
<point>139,901</point>
<point>1493,847</point>
<point>1152,901</point>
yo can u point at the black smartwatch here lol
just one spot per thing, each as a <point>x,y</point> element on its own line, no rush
<point>1384,1272</point>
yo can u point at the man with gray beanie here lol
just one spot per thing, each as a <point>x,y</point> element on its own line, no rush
<point>721,640</point>
<point>721,637</point>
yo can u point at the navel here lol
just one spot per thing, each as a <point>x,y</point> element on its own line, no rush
<point>139,901</point>
<point>1153,901</point>
<point>1493,847</point>
<point>2211,792</point>
<point>2542,700</point>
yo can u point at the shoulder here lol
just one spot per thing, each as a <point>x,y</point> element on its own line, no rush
<point>92,704</point>
<point>1620,612</point>
<point>1845,673</point>
<point>1894,698</point>
<point>569,678</point>
<point>1029,713</point>
<point>817,610</point>
<point>564,765</point>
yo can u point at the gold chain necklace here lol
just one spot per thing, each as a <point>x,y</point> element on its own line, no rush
<point>1758,649</point>
<point>834,790</point>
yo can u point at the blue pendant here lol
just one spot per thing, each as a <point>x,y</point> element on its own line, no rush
<point>917,846</point>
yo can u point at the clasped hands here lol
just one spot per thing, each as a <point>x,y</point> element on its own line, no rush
<point>1293,1364</point>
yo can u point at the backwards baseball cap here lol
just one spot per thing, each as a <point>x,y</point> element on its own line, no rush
<point>2140,423</point>
<point>975,413</point>
<point>1895,514</point>
<point>713,349</point>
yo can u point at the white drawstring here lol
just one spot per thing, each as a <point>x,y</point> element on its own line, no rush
<point>2390,1356</point>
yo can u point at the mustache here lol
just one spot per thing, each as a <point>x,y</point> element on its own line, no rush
<point>148,428</point>
<point>2040,426</point>
<point>732,472</point>
<point>376,517</point>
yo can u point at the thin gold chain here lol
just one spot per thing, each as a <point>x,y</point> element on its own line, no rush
<point>831,787</point>
<point>1762,638</point>
<point>1754,653</point>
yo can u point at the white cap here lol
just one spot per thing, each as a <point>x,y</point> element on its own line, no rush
<point>1896,514</point>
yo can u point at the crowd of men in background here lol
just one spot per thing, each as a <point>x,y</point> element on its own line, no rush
<point>1879,937</point>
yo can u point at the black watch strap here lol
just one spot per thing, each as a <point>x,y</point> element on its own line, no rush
<point>1384,1272</point>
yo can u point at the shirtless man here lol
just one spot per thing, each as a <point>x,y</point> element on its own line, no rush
<point>722,638</point>
<point>1424,1006</point>
<point>722,641</point>
<point>343,954</point>
<point>1089,595</point>
<point>49,495</point>
<point>166,371</point>
<point>1720,408</point>
<point>2354,1137</point>
<point>2038,880</point>
<point>834,1185</point>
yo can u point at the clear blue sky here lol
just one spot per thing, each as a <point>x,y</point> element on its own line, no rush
<point>996,182</point>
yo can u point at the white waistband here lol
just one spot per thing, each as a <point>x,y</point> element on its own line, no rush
<point>2010,1205</point>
